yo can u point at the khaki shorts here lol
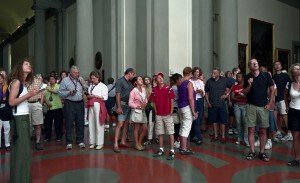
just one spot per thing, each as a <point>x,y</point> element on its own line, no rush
<point>257,114</point>
<point>281,108</point>
<point>187,121</point>
<point>164,125</point>
<point>36,113</point>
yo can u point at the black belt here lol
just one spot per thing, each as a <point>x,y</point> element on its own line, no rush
<point>74,101</point>
<point>35,101</point>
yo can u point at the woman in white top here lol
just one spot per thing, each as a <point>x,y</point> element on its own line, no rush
<point>21,77</point>
<point>98,92</point>
<point>195,134</point>
<point>292,97</point>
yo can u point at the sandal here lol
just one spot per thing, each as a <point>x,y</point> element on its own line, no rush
<point>263,157</point>
<point>293,163</point>
<point>186,152</point>
<point>139,148</point>
<point>116,149</point>
<point>251,156</point>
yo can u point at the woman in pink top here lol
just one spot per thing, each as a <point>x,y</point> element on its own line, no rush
<point>138,100</point>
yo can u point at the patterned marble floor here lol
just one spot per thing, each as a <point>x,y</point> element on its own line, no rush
<point>212,162</point>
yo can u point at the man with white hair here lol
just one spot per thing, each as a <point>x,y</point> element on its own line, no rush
<point>71,89</point>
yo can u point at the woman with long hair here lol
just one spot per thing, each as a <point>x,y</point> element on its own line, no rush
<point>292,99</point>
<point>21,77</point>
<point>138,101</point>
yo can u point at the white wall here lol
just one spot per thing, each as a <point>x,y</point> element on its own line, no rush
<point>180,35</point>
<point>284,18</point>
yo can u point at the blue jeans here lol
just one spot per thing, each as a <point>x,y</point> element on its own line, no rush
<point>240,113</point>
<point>196,131</point>
<point>272,121</point>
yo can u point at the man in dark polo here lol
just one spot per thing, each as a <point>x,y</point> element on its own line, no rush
<point>123,89</point>
<point>71,89</point>
<point>217,89</point>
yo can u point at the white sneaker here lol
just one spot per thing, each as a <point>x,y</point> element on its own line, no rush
<point>177,144</point>
<point>92,146</point>
<point>106,126</point>
<point>230,132</point>
<point>114,124</point>
<point>276,139</point>
<point>81,145</point>
<point>99,147</point>
<point>278,134</point>
<point>256,143</point>
<point>247,144</point>
<point>288,137</point>
<point>69,146</point>
<point>235,131</point>
<point>237,142</point>
<point>268,144</point>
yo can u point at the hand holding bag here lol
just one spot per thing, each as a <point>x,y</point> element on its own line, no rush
<point>137,115</point>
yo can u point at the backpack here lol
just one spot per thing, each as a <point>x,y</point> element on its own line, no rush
<point>6,111</point>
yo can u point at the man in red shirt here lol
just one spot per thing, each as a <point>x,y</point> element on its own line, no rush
<point>162,97</point>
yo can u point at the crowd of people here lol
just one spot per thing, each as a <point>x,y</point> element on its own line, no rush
<point>258,108</point>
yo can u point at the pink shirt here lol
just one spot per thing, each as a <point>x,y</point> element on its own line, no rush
<point>137,98</point>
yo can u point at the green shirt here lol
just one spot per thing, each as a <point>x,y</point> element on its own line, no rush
<point>56,101</point>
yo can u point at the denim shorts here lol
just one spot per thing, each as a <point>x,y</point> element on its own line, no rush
<point>125,116</point>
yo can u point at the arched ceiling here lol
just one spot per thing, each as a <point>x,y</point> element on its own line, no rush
<point>13,13</point>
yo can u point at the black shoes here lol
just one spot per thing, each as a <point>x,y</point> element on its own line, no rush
<point>38,146</point>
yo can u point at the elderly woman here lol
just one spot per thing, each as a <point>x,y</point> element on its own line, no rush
<point>98,93</point>
<point>186,105</point>
<point>292,99</point>
<point>138,101</point>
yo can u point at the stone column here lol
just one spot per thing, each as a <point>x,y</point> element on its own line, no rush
<point>39,41</point>
<point>203,35</point>
<point>60,40</point>
<point>126,40</point>
<point>160,39</point>
<point>7,58</point>
<point>84,37</point>
<point>228,35</point>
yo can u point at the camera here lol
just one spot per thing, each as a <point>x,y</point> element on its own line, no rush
<point>50,99</point>
<point>86,92</point>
